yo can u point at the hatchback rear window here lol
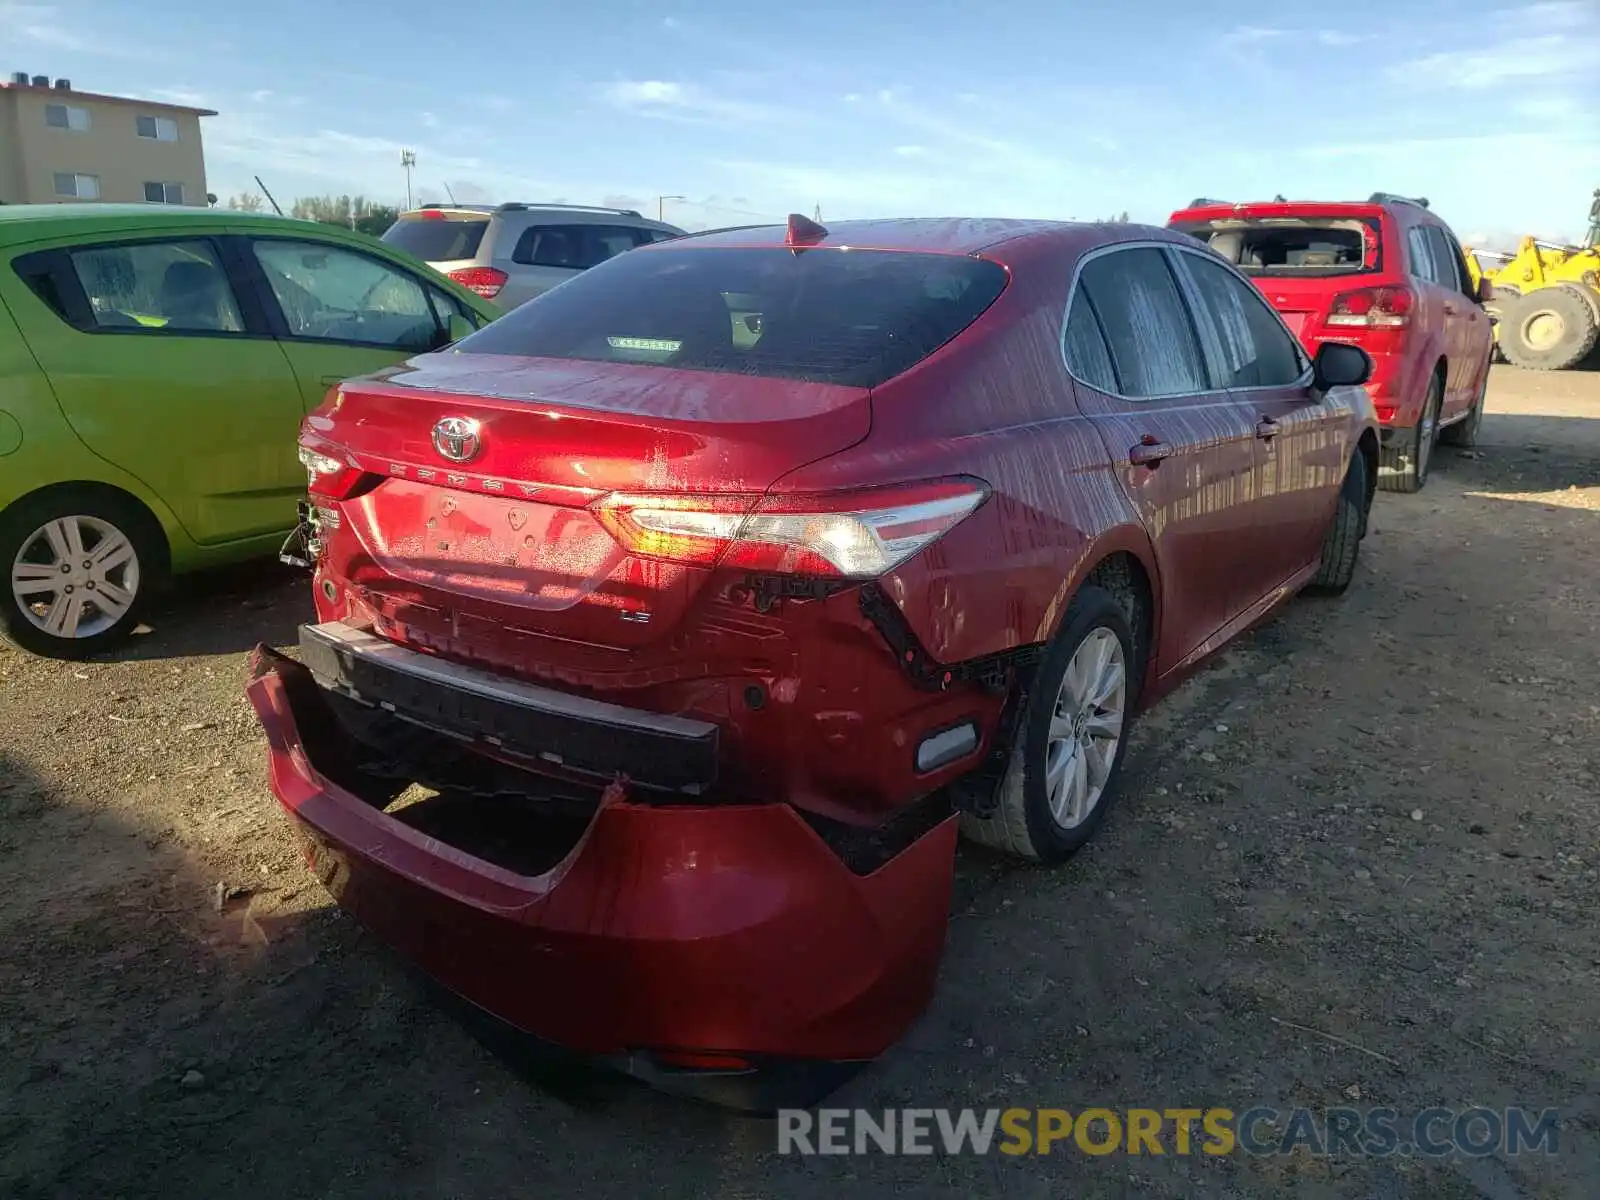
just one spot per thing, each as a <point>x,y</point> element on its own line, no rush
<point>438,239</point>
<point>1292,246</point>
<point>851,317</point>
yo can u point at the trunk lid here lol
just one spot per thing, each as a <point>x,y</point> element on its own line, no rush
<point>507,534</point>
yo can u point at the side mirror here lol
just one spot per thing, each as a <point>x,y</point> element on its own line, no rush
<point>1485,289</point>
<point>1340,365</point>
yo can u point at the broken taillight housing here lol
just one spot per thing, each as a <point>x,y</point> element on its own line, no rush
<point>1372,308</point>
<point>843,535</point>
<point>330,472</point>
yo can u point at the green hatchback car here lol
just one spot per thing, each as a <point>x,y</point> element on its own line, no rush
<point>155,365</point>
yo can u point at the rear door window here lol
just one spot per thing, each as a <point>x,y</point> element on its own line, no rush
<point>1421,255</point>
<point>1256,349</point>
<point>158,287</point>
<point>438,239</point>
<point>1447,260</point>
<point>574,247</point>
<point>855,318</point>
<point>1147,325</point>
<point>1084,347</point>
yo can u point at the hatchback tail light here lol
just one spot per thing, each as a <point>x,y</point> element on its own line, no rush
<point>845,535</point>
<point>486,281</point>
<point>1373,308</point>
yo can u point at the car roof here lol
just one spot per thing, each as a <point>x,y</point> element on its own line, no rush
<point>929,235</point>
<point>21,223</point>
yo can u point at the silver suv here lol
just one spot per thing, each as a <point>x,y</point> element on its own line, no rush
<point>510,253</point>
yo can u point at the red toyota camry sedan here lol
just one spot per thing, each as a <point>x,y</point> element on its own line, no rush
<point>671,626</point>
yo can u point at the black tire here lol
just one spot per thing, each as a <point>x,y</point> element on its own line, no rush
<point>1341,544</point>
<point>1022,823</point>
<point>93,511</point>
<point>1464,433</point>
<point>1565,312</point>
<point>1404,467</point>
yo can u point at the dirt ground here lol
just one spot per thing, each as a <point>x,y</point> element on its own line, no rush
<point>1355,863</point>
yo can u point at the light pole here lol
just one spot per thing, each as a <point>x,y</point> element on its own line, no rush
<point>661,206</point>
<point>408,159</point>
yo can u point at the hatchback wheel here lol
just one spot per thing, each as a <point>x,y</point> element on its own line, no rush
<point>78,567</point>
<point>1405,465</point>
<point>1065,766</point>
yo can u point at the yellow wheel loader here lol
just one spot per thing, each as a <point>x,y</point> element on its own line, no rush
<point>1546,299</point>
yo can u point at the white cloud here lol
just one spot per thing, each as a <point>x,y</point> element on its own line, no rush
<point>53,28</point>
<point>911,151</point>
<point>669,100</point>
<point>1537,57</point>
<point>429,121</point>
<point>1241,36</point>
<point>1337,37</point>
<point>184,96</point>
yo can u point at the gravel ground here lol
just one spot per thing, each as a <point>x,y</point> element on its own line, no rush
<point>1355,863</point>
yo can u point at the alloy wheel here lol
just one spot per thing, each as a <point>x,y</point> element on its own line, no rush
<point>1086,728</point>
<point>75,576</point>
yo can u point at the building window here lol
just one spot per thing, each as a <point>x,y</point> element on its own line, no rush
<point>161,129</point>
<point>163,193</point>
<point>66,116</point>
<point>78,187</point>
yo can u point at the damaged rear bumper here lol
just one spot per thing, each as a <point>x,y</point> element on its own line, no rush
<point>722,950</point>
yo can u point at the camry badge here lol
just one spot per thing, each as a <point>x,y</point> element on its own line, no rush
<point>457,439</point>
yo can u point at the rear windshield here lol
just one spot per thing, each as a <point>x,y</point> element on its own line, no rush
<point>1292,246</point>
<point>438,239</point>
<point>852,317</point>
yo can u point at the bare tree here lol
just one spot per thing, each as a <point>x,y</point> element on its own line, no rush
<point>245,202</point>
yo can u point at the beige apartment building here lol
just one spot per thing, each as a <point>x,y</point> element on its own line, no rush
<point>59,146</point>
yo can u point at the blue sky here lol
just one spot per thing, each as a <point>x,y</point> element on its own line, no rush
<point>871,107</point>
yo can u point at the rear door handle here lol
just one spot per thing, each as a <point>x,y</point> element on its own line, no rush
<point>1450,309</point>
<point>1149,452</point>
<point>1266,427</point>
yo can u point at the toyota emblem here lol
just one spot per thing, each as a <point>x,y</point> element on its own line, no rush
<point>457,439</point>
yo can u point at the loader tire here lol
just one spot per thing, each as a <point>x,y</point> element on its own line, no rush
<point>1549,329</point>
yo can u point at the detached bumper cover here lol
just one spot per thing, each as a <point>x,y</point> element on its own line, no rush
<point>728,928</point>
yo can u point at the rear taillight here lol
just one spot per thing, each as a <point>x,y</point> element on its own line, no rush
<point>486,281</point>
<point>845,535</point>
<point>1372,308</point>
<point>330,472</point>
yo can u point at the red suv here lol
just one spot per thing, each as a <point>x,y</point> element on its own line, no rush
<point>672,624</point>
<point>1387,276</point>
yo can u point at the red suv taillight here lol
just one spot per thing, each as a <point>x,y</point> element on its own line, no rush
<point>1372,308</point>
<point>847,535</point>
<point>486,281</point>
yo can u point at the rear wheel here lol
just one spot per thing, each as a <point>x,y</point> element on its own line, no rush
<point>79,566</point>
<point>1067,760</point>
<point>1464,433</point>
<point>1548,329</point>
<point>1404,466</point>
